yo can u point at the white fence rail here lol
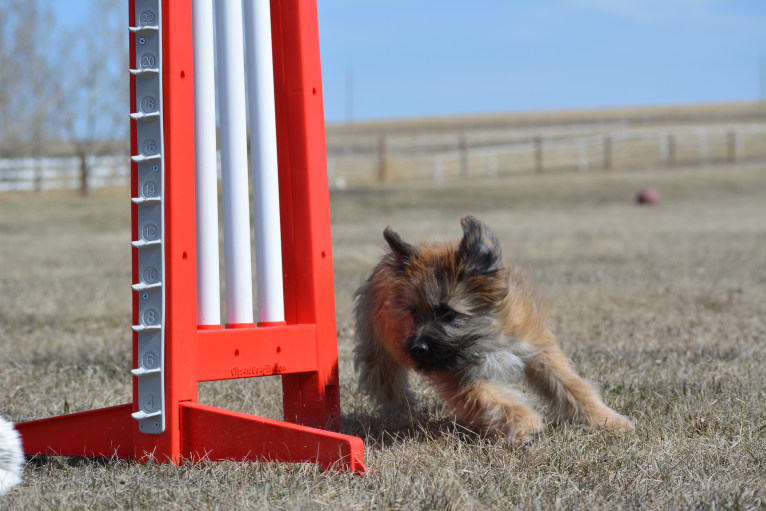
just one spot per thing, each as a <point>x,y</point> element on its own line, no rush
<point>18,174</point>
<point>441,157</point>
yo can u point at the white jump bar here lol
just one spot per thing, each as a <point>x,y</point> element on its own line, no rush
<point>263,147</point>
<point>236,208</point>
<point>206,173</point>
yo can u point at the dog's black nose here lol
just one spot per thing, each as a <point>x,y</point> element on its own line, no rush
<point>419,347</point>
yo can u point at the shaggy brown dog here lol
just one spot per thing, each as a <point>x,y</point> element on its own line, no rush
<point>468,322</point>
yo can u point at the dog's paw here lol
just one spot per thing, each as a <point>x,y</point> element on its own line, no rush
<point>610,420</point>
<point>523,429</point>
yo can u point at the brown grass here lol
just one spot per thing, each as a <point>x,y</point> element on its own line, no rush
<point>663,307</point>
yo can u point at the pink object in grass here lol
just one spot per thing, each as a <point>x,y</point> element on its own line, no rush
<point>648,195</point>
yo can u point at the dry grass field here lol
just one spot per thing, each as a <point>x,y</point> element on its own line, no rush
<point>663,307</point>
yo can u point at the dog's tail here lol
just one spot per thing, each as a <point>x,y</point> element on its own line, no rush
<point>11,457</point>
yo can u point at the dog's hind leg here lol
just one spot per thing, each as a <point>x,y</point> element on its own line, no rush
<point>551,374</point>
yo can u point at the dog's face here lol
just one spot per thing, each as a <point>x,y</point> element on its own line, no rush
<point>448,295</point>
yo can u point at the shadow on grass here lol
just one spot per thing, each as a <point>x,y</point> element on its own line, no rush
<point>38,461</point>
<point>386,429</point>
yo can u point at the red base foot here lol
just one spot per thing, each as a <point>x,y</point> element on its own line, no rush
<point>206,433</point>
<point>218,434</point>
<point>101,433</point>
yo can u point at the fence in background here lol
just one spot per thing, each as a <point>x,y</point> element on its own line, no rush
<point>369,159</point>
<point>469,154</point>
<point>39,174</point>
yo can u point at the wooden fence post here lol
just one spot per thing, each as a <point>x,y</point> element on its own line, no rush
<point>671,150</point>
<point>463,150</point>
<point>607,152</point>
<point>38,176</point>
<point>538,154</point>
<point>382,157</point>
<point>731,146</point>
<point>703,145</point>
<point>493,165</point>
<point>582,155</point>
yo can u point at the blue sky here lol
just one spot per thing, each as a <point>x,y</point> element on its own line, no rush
<point>413,58</point>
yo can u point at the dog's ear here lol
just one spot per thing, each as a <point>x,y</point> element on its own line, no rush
<point>479,249</point>
<point>399,247</point>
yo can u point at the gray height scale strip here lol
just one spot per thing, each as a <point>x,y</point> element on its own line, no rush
<point>150,203</point>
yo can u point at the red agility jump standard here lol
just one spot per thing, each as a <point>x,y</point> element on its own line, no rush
<point>178,339</point>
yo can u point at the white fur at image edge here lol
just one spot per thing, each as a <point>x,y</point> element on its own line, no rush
<point>11,457</point>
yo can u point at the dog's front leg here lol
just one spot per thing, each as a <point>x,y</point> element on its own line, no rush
<point>492,408</point>
<point>382,378</point>
<point>550,373</point>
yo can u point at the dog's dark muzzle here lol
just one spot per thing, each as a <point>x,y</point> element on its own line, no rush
<point>430,354</point>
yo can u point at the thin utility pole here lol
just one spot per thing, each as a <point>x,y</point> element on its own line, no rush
<point>349,95</point>
<point>762,84</point>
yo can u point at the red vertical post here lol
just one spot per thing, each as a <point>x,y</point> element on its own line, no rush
<point>133,208</point>
<point>309,398</point>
